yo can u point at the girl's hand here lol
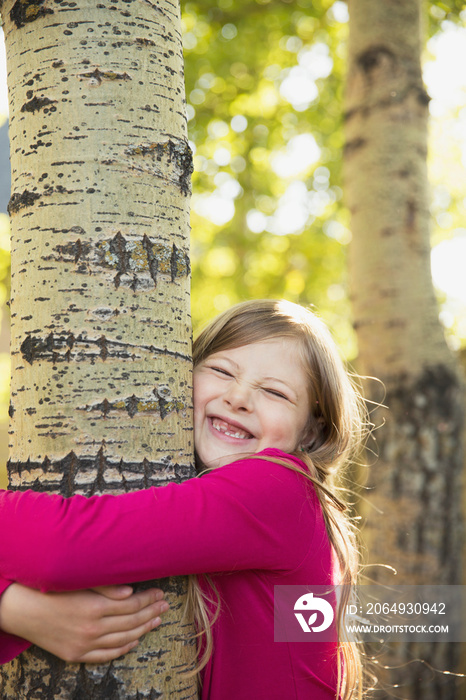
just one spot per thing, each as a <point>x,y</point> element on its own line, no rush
<point>92,626</point>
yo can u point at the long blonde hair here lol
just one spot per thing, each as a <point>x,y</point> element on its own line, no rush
<point>337,421</point>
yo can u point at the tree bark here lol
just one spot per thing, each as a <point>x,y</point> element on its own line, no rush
<point>414,521</point>
<point>101,336</point>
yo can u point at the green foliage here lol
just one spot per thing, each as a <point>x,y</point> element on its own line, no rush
<point>439,11</point>
<point>4,355</point>
<point>4,314</point>
<point>288,234</point>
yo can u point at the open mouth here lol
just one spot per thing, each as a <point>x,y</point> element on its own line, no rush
<point>230,430</point>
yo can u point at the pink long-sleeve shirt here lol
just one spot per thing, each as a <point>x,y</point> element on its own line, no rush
<point>252,524</point>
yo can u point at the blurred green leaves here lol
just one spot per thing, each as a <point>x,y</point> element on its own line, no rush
<point>264,83</point>
<point>4,344</point>
<point>4,314</point>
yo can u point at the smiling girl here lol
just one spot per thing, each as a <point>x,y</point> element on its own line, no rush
<point>276,417</point>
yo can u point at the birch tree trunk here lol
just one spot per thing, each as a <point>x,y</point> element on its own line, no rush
<point>101,337</point>
<point>414,523</point>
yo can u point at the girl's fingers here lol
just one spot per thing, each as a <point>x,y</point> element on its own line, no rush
<point>119,639</point>
<point>125,623</point>
<point>102,656</point>
<point>122,592</point>
<point>134,604</point>
<point>114,592</point>
<point>115,645</point>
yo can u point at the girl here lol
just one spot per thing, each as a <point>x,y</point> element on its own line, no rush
<point>275,418</point>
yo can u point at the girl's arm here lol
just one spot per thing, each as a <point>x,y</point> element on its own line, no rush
<point>245,515</point>
<point>78,626</point>
<point>10,644</point>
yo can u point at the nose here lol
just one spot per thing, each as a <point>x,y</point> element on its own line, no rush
<point>239,396</point>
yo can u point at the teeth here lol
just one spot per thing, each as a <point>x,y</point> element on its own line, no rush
<point>222,427</point>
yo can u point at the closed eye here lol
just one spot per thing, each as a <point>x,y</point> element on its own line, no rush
<point>274,392</point>
<point>220,370</point>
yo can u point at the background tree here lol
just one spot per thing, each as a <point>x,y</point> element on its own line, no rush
<point>414,521</point>
<point>100,393</point>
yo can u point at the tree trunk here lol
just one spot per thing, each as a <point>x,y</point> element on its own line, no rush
<point>101,338</point>
<point>414,521</point>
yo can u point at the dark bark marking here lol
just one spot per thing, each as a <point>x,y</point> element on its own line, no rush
<point>102,343</point>
<point>156,7</point>
<point>76,250</point>
<point>181,153</point>
<point>27,198</point>
<point>27,349</point>
<point>174,262</point>
<point>395,98</point>
<point>177,152</point>
<point>151,259</point>
<point>36,104</point>
<point>164,405</point>
<point>353,146</point>
<point>117,247</point>
<point>144,42</point>
<point>148,472</point>
<point>25,11</point>
<point>411,210</point>
<point>105,407</point>
<point>57,348</point>
<point>88,688</point>
<point>370,59</point>
<point>171,261</point>
<point>136,256</point>
<point>21,201</point>
<point>423,97</point>
<point>69,162</point>
<point>101,463</point>
<point>134,405</point>
<point>98,76</point>
<point>148,108</point>
<point>70,467</point>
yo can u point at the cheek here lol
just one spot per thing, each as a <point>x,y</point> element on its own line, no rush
<point>281,423</point>
<point>199,390</point>
<point>287,427</point>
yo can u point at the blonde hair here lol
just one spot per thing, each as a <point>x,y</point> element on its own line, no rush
<point>337,423</point>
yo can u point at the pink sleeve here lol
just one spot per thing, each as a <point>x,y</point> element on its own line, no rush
<point>252,514</point>
<point>10,645</point>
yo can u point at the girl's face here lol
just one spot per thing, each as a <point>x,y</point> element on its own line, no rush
<point>250,398</point>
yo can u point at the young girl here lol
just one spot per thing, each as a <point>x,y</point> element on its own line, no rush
<point>275,418</point>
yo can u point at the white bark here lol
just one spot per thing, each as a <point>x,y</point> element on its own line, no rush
<point>101,338</point>
<point>415,523</point>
